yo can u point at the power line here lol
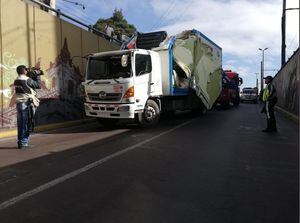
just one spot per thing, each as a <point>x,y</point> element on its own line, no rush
<point>158,21</point>
<point>292,42</point>
<point>83,17</point>
<point>80,18</point>
<point>75,3</point>
<point>184,11</point>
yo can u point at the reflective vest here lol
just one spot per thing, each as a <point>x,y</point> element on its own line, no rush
<point>266,94</point>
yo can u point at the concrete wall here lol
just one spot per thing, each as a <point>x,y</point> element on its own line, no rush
<point>34,37</point>
<point>287,82</point>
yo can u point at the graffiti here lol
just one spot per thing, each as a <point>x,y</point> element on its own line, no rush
<point>59,93</point>
<point>3,66</point>
<point>7,93</point>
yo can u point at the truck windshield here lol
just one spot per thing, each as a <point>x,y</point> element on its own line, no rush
<point>248,91</point>
<point>108,67</point>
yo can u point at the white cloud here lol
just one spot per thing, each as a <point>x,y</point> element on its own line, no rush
<point>240,27</point>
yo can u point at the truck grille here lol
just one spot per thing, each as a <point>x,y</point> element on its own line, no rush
<point>107,97</point>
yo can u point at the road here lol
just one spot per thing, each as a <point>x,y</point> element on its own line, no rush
<point>215,168</point>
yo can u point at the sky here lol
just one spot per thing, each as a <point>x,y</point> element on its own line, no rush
<point>240,27</point>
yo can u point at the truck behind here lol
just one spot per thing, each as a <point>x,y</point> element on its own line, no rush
<point>230,93</point>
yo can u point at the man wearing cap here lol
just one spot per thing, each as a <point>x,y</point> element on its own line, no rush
<point>270,99</point>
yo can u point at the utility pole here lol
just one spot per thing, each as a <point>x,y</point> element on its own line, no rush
<point>262,68</point>
<point>283,30</point>
<point>283,46</point>
<point>261,75</point>
<point>256,80</point>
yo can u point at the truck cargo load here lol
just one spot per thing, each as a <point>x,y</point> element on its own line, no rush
<point>201,61</point>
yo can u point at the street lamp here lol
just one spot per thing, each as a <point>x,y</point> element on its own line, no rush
<point>262,69</point>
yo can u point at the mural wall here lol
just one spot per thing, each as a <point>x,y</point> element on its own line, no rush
<point>287,83</point>
<point>34,37</point>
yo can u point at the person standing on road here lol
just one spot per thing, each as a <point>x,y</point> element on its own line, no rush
<point>25,99</point>
<point>269,98</point>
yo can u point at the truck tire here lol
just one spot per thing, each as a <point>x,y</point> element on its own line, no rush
<point>199,111</point>
<point>203,110</point>
<point>108,122</point>
<point>237,100</point>
<point>150,116</point>
<point>225,105</point>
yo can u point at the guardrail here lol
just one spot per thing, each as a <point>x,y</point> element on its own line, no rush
<point>89,27</point>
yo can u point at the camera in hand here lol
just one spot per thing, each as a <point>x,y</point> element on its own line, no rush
<point>34,73</point>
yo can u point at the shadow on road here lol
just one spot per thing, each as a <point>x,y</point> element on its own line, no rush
<point>95,126</point>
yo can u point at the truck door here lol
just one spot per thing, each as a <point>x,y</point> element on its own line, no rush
<point>142,81</point>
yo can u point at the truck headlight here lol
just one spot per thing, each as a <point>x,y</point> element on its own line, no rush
<point>129,93</point>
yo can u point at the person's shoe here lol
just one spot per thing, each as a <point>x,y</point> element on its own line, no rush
<point>266,130</point>
<point>22,146</point>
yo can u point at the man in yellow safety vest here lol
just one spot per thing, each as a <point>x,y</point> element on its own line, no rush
<point>270,99</point>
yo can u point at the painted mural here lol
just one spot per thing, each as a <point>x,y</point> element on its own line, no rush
<point>43,40</point>
<point>60,93</point>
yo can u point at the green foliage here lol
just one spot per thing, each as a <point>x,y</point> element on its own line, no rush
<point>118,23</point>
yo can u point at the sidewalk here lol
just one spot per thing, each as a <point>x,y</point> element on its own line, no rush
<point>52,141</point>
<point>6,133</point>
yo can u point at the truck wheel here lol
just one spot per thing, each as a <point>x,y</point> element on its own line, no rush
<point>108,122</point>
<point>225,105</point>
<point>150,116</point>
<point>203,110</point>
<point>236,102</point>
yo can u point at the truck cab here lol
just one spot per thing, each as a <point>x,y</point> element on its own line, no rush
<point>126,79</point>
<point>230,89</point>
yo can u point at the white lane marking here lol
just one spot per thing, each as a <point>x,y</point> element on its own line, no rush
<point>59,180</point>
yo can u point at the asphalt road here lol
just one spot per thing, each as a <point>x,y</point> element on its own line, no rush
<point>210,169</point>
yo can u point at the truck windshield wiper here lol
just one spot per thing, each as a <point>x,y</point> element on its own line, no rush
<point>90,81</point>
<point>115,80</point>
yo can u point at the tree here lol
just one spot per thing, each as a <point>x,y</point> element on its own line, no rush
<point>118,23</point>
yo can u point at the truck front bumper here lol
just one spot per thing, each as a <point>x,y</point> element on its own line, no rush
<point>119,111</point>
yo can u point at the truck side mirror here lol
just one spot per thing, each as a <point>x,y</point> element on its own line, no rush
<point>240,81</point>
<point>124,60</point>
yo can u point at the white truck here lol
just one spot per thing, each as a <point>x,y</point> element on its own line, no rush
<point>161,75</point>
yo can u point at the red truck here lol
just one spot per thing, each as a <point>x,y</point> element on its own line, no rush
<point>230,93</point>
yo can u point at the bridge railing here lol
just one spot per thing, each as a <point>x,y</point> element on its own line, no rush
<point>89,27</point>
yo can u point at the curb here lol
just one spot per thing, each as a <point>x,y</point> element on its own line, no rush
<point>44,128</point>
<point>288,114</point>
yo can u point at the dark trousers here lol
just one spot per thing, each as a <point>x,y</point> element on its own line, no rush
<point>22,121</point>
<point>271,121</point>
